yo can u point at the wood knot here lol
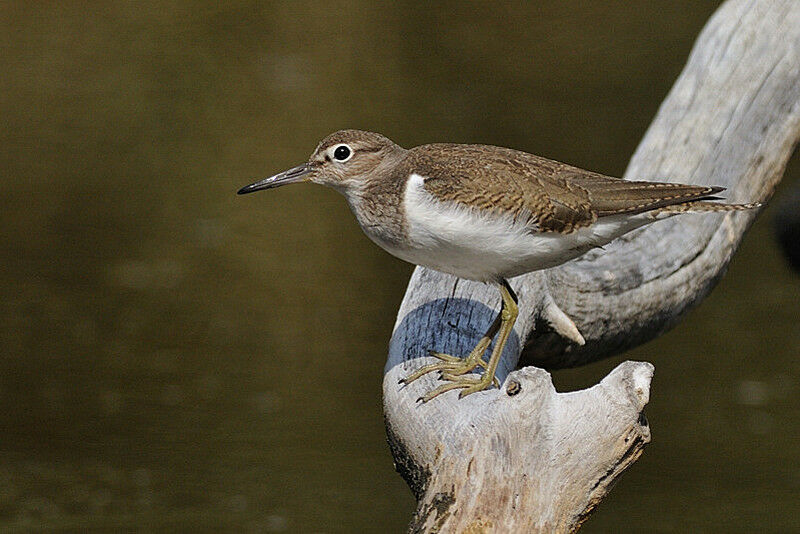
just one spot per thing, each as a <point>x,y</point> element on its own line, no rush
<point>513,388</point>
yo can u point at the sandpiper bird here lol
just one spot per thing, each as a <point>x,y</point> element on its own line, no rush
<point>484,213</point>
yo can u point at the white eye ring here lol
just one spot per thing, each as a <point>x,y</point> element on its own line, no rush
<point>341,153</point>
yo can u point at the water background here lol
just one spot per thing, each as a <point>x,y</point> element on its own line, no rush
<point>177,358</point>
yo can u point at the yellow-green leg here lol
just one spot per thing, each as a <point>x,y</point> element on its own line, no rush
<point>453,365</point>
<point>453,368</point>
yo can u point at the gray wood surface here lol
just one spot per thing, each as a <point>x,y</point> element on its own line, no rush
<point>524,458</point>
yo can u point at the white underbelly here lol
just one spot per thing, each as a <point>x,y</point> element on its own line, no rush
<point>499,255</point>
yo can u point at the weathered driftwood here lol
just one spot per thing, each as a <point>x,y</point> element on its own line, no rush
<point>524,458</point>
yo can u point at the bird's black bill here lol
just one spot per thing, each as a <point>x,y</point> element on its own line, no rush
<point>295,174</point>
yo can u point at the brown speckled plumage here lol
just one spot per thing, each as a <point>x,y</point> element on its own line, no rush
<point>548,196</point>
<point>551,196</point>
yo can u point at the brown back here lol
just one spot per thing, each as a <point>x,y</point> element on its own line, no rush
<point>548,195</point>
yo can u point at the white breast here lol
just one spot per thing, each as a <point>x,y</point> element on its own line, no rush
<point>480,245</point>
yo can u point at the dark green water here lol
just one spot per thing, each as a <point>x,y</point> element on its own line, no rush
<point>176,358</point>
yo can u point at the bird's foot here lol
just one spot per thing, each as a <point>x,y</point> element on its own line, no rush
<point>452,369</point>
<point>466,384</point>
<point>452,366</point>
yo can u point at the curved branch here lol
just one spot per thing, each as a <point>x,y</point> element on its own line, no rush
<point>523,457</point>
<point>732,119</point>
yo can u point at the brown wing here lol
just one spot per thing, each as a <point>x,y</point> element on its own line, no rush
<point>611,196</point>
<point>549,195</point>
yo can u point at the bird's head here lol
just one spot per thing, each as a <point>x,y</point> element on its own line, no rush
<point>344,160</point>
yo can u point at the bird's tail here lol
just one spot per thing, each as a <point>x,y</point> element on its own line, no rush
<point>700,206</point>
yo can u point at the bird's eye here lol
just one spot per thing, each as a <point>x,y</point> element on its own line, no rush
<point>342,153</point>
